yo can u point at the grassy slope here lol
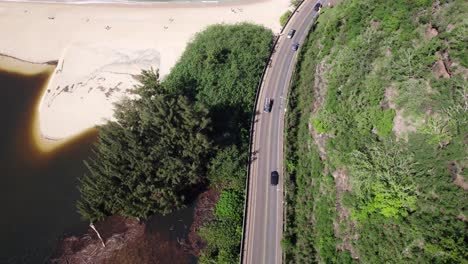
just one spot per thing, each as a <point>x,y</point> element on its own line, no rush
<point>392,197</point>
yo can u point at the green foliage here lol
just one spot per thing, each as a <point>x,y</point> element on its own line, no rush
<point>404,205</point>
<point>296,3</point>
<point>221,68</point>
<point>162,144</point>
<point>318,125</point>
<point>222,239</point>
<point>147,160</point>
<point>458,40</point>
<point>228,169</point>
<point>383,121</point>
<point>383,180</point>
<point>284,17</point>
<point>412,97</point>
<point>223,236</point>
<point>229,206</point>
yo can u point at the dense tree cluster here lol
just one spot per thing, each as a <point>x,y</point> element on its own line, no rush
<point>189,130</point>
<point>149,158</point>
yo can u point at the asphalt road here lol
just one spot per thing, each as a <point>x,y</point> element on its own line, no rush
<point>264,222</point>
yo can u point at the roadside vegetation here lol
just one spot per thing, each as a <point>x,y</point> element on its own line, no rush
<point>376,151</point>
<point>284,17</point>
<point>183,135</point>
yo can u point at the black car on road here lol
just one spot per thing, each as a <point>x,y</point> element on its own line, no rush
<point>317,7</point>
<point>295,46</point>
<point>274,178</point>
<point>268,105</point>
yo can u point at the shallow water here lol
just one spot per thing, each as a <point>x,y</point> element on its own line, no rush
<point>38,190</point>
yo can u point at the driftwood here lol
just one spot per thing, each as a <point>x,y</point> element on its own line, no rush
<point>99,235</point>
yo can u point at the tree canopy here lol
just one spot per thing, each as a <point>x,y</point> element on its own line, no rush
<point>174,135</point>
<point>147,160</point>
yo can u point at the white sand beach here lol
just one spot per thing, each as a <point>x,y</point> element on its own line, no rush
<point>99,47</point>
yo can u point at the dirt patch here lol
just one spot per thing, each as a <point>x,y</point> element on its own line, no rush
<point>375,24</point>
<point>439,69</point>
<point>462,217</point>
<point>320,92</point>
<point>127,241</point>
<point>389,98</point>
<point>460,181</point>
<point>458,69</point>
<point>456,170</point>
<point>332,3</point>
<point>450,27</point>
<point>430,32</point>
<point>151,248</point>
<point>320,140</point>
<point>344,228</point>
<point>402,125</point>
<point>320,86</point>
<point>203,214</point>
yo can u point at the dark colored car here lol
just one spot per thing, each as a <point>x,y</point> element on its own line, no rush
<point>274,178</point>
<point>268,105</point>
<point>291,33</point>
<point>295,46</point>
<point>318,7</point>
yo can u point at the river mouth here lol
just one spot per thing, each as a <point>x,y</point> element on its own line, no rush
<point>38,189</point>
<point>39,178</point>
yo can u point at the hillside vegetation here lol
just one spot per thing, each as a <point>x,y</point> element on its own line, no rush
<point>183,135</point>
<point>377,136</point>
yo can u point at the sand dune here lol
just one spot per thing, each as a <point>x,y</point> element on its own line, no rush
<point>100,47</point>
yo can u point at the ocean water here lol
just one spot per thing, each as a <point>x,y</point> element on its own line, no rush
<point>116,1</point>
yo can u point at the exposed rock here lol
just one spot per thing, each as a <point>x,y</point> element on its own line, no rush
<point>389,98</point>
<point>450,27</point>
<point>401,125</point>
<point>320,92</point>
<point>431,32</point>
<point>439,69</point>
<point>344,227</point>
<point>458,69</point>
<point>456,170</point>
<point>320,86</point>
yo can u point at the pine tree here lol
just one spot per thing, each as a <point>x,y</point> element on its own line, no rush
<point>147,160</point>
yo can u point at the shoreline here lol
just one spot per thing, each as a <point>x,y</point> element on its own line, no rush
<point>16,65</point>
<point>142,4</point>
<point>99,48</point>
<point>41,142</point>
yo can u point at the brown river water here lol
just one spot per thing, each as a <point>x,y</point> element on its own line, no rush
<point>38,189</point>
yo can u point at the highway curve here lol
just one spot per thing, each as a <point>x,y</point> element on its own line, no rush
<point>264,217</point>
